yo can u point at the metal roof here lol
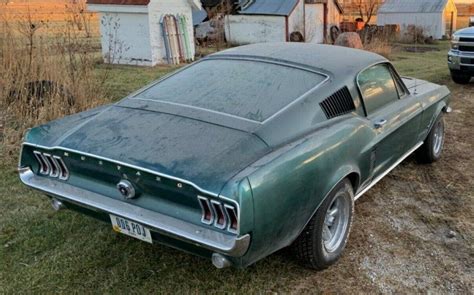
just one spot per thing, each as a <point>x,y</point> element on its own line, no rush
<point>412,6</point>
<point>270,7</point>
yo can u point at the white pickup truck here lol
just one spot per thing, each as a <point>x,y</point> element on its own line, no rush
<point>461,56</point>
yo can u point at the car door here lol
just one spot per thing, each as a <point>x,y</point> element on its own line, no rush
<point>393,113</point>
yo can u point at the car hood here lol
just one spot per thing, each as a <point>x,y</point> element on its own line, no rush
<point>203,153</point>
<point>465,31</point>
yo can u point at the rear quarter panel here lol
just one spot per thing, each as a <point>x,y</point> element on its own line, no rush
<point>289,184</point>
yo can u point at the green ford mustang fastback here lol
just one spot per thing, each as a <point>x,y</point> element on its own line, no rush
<point>242,153</point>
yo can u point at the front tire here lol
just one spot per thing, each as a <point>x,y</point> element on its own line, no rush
<point>460,78</point>
<point>324,238</point>
<point>432,148</point>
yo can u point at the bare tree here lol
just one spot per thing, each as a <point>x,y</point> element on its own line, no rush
<point>367,9</point>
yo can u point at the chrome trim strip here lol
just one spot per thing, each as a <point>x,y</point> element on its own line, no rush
<point>126,165</point>
<point>54,172</point>
<point>42,162</point>
<point>64,173</point>
<point>299,99</point>
<point>216,218</point>
<point>206,200</point>
<point>378,178</point>
<point>213,240</point>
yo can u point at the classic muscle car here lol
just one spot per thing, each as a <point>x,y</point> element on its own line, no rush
<point>242,153</point>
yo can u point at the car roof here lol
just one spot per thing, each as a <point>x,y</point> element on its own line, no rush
<point>336,60</point>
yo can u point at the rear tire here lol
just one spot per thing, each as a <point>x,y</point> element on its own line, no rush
<point>432,148</point>
<point>460,78</point>
<point>324,238</point>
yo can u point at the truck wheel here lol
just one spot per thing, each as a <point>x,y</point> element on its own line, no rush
<point>324,238</point>
<point>460,78</point>
<point>432,148</point>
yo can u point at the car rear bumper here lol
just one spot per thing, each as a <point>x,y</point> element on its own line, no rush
<point>230,245</point>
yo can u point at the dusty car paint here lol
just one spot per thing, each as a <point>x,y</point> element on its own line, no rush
<point>277,171</point>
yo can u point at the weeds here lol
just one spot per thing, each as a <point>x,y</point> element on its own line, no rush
<point>46,74</point>
<point>379,46</point>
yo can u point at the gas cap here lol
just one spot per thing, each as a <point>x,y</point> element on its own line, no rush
<point>126,189</point>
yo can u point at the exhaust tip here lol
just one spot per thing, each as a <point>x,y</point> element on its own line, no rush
<point>57,204</point>
<point>219,261</point>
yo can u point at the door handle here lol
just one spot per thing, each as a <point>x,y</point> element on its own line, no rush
<point>380,123</point>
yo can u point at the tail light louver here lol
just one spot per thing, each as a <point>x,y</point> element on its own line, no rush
<point>52,166</point>
<point>222,216</point>
<point>207,215</point>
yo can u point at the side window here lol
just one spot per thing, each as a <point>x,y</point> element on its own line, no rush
<point>377,87</point>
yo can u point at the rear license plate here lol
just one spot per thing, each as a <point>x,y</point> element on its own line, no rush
<point>130,228</point>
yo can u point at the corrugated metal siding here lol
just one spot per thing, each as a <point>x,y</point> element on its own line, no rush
<point>271,7</point>
<point>412,6</point>
<point>249,29</point>
<point>432,23</point>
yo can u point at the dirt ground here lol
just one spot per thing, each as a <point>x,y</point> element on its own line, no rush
<point>414,231</point>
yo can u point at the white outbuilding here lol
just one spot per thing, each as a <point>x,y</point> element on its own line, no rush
<point>437,17</point>
<point>260,21</point>
<point>146,32</point>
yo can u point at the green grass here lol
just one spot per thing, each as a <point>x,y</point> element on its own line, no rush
<point>431,65</point>
<point>46,252</point>
<point>122,80</point>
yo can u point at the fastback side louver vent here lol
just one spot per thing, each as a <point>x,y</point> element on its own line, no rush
<point>338,104</point>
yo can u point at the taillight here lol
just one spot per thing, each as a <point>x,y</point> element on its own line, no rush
<point>220,221</point>
<point>218,214</point>
<point>207,216</point>
<point>232,217</point>
<point>43,164</point>
<point>50,165</point>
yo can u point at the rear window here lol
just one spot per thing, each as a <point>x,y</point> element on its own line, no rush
<point>247,89</point>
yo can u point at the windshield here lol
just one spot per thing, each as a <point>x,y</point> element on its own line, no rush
<point>247,89</point>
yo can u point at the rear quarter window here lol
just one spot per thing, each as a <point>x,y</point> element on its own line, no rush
<point>252,90</point>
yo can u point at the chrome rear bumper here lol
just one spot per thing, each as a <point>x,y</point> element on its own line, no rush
<point>200,236</point>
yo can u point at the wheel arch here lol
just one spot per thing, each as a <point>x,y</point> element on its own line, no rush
<point>354,178</point>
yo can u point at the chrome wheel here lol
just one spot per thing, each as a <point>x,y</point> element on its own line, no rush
<point>336,223</point>
<point>438,138</point>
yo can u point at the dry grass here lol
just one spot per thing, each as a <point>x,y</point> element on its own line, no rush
<point>47,72</point>
<point>379,46</point>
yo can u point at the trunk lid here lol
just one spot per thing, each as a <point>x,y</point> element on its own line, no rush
<point>204,154</point>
